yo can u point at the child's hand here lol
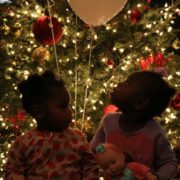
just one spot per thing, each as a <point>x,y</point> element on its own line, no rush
<point>151,176</point>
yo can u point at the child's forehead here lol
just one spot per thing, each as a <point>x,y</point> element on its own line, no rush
<point>59,93</point>
<point>57,90</point>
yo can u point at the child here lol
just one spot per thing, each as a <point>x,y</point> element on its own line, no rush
<point>113,162</point>
<point>177,152</point>
<point>52,150</point>
<point>141,97</point>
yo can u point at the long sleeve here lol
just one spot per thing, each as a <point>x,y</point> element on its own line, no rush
<point>14,168</point>
<point>88,163</point>
<point>99,136</point>
<point>165,159</point>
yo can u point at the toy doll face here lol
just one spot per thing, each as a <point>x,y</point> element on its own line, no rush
<point>111,162</point>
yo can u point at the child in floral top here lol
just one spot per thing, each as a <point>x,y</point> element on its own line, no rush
<point>52,150</point>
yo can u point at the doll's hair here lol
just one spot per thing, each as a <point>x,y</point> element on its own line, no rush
<point>36,89</point>
<point>103,147</point>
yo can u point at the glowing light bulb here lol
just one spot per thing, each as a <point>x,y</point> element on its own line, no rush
<point>70,72</point>
<point>114,48</point>
<point>94,108</point>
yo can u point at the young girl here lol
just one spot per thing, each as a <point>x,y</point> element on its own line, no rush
<point>141,97</point>
<point>52,150</point>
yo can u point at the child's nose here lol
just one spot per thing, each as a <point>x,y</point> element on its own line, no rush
<point>69,109</point>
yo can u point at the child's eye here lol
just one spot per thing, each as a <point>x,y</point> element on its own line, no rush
<point>63,107</point>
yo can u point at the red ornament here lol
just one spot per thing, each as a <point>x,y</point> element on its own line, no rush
<point>42,30</point>
<point>150,59</point>
<point>110,62</point>
<point>175,103</point>
<point>159,60</point>
<point>16,127</point>
<point>135,15</point>
<point>156,61</point>
<point>144,64</point>
<point>12,119</point>
<point>21,116</point>
<point>110,108</point>
<point>146,8</point>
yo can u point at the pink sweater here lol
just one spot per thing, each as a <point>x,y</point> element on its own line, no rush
<point>148,145</point>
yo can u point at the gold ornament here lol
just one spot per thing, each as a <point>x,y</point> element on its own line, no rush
<point>176,44</point>
<point>3,44</point>
<point>3,47</point>
<point>41,55</point>
<point>16,30</point>
<point>5,29</point>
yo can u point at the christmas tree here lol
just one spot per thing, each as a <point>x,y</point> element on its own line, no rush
<point>91,60</point>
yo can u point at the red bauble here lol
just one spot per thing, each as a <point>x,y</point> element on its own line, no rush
<point>110,62</point>
<point>146,8</point>
<point>42,30</point>
<point>16,127</point>
<point>21,116</point>
<point>135,15</point>
<point>159,60</point>
<point>144,64</point>
<point>175,103</point>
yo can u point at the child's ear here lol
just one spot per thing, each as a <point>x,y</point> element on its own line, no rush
<point>141,103</point>
<point>37,111</point>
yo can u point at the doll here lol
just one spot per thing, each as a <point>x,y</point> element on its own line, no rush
<point>113,162</point>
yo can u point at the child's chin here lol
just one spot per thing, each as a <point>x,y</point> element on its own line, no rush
<point>115,174</point>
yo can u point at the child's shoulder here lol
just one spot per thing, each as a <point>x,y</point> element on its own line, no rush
<point>27,134</point>
<point>110,121</point>
<point>155,125</point>
<point>153,129</point>
<point>25,137</point>
<point>74,132</point>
